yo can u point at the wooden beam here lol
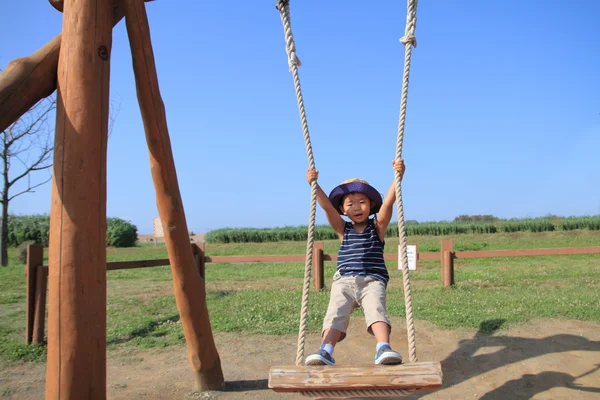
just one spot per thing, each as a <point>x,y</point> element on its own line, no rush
<point>559,251</point>
<point>59,4</point>
<point>116,265</point>
<point>76,362</point>
<point>261,258</point>
<point>189,288</point>
<point>393,256</point>
<point>420,375</point>
<point>27,80</point>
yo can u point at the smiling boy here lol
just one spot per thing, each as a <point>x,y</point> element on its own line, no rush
<point>361,277</point>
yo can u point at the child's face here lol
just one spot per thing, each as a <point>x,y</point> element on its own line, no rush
<point>357,207</point>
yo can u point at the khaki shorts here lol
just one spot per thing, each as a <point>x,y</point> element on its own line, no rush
<point>351,292</point>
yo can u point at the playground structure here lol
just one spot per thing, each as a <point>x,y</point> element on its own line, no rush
<point>77,64</point>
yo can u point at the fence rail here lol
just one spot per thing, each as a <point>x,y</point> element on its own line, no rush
<point>37,273</point>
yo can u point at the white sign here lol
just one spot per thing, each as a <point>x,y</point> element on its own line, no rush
<point>411,252</point>
<point>158,228</point>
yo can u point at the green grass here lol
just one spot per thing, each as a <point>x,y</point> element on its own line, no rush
<point>497,241</point>
<point>265,298</point>
<point>12,315</point>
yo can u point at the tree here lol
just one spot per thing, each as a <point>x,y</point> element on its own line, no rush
<point>25,150</point>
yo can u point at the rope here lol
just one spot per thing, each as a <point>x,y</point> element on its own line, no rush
<point>409,41</point>
<point>294,62</point>
<point>344,394</point>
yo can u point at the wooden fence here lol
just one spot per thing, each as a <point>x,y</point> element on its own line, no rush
<point>37,273</point>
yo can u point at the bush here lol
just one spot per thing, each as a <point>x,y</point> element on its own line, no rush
<point>22,251</point>
<point>120,233</point>
<point>24,228</point>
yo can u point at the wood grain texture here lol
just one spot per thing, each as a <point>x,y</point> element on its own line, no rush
<point>76,363</point>
<point>188,286</point>
<point>27,80</point>
<point>420,375</point>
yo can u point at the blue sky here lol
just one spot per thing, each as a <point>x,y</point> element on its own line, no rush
<point>503,107</point>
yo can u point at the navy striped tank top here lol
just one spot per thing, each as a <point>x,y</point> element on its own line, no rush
<point>361,253</point>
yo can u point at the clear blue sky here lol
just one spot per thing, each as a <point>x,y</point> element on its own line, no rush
<point>503,116</point>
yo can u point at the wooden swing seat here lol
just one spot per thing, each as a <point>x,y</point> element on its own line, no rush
<point>418,376</point>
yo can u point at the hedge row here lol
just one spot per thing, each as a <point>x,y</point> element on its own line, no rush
<point>35,228</point>
<point>325,232</point>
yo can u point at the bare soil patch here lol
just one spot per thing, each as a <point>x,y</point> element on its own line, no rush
<point>550,359</point>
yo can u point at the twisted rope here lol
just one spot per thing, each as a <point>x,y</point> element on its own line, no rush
<point>408,40</point>
<point>290,47</point>
<point>344,394</point>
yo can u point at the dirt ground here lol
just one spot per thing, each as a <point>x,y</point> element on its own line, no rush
<point>540,360</point>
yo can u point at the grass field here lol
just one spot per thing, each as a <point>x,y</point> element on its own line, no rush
<point>265,298</point>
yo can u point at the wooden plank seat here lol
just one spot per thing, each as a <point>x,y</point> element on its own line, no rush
<point>417,376</point>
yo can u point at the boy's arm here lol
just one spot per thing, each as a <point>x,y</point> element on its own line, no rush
<point>385,212</point>
<point>335,219</point>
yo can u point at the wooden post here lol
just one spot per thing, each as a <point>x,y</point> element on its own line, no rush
<point>35,258</point>
<point>448,269</point>
<point>76,362</point>
<point>198,250</point>
<point>39,320</point>
<point>189,289</point>
<point>446,245</point>
<point>318,266</point>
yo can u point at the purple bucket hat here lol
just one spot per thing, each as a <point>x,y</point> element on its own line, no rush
<point>356,186</point>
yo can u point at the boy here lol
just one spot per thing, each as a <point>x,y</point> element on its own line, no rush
<point>361,277</point>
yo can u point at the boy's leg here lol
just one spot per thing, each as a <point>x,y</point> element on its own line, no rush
<point>331,336</point>
<point>373,303</point>
<point>381,331</point>
<point>335,324</point>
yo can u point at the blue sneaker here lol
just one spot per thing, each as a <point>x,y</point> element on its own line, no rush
<point>387,356</point>
<point>321,357</point>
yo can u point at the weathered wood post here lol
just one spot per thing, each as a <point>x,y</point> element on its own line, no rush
<point>76,363</point>
<point>35,258</point>
<point>198,250</point>
<point>189,288</point>
<point>318,266</point>
<point>448,269</point>
<point>39,320</point>
<point>447,263</point>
